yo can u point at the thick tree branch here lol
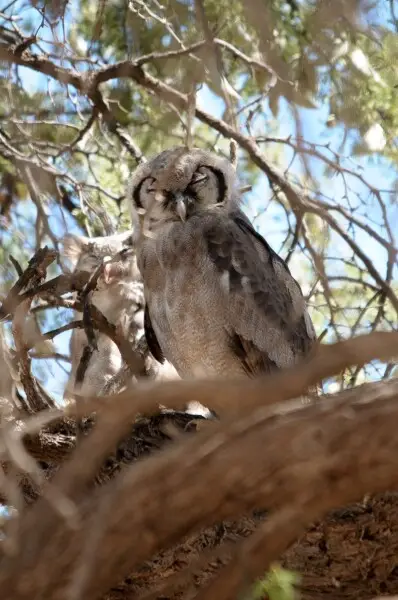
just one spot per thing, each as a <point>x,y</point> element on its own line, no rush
<point>320,456</point>
<point>224,397</point>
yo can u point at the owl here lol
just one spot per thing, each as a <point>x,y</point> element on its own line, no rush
<point>218,300</point>
<point>118,295</point>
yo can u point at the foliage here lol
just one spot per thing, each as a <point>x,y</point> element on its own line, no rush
<point>277,584</point>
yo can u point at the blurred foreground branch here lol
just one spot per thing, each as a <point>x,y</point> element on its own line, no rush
<point>315,457</point>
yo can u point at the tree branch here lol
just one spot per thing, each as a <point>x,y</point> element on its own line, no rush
<point>224,397</point>
<point>320,456</point>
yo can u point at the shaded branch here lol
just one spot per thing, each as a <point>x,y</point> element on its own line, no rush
<point>320,456</point>
<point>28,280</point>
<point>223,397</point>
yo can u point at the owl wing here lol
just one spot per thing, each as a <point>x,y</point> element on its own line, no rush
<point>267,323</point>
<point>151,338</point>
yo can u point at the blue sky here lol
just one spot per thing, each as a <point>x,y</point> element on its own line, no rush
<point>269,222</point>
<point>382,175</point>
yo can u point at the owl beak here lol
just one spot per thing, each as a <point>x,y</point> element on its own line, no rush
<point>181,208</point>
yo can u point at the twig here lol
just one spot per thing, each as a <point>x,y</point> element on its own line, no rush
<point>216,67</point>
<point>57,286</point>
<point>191,116</point>
<point>32,277</point>
<point>16,265</point>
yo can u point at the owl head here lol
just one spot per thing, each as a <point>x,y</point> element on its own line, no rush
<point>86,254</point>
<point>178,183</point>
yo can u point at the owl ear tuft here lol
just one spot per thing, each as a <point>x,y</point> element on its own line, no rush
<point>233,154</point>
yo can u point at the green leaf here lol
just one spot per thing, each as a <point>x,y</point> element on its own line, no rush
<point>277,584</point>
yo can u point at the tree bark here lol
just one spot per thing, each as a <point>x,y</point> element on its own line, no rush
<point>309,460</point>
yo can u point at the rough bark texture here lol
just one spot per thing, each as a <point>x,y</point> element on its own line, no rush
<point>261,476</point>
<point>351,554</point>
<point>314,455</point>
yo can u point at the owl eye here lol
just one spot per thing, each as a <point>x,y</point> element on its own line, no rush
<point>198,178</point>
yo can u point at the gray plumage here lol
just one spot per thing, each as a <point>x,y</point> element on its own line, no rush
<point>219,300</point>
<point>118,295</point>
